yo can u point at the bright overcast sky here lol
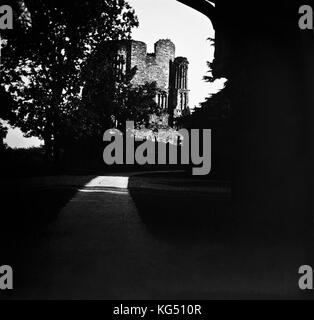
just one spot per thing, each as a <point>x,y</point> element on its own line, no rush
<point>166,19</point>
<point>188,29</point>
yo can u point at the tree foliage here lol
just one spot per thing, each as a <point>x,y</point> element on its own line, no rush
<point>43,60</point>
<point>109,96</point>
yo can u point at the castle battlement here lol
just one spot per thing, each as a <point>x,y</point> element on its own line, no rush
<point>161,66</point>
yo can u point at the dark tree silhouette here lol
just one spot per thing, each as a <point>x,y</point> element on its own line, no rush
<point>44,56</point>
<point>109,97</point>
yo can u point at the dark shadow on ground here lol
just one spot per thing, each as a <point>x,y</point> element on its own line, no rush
<point>26,212</point>
<point>184,216</point>
<point>269,248</point>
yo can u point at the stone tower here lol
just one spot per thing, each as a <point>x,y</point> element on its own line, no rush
<point>179,87</point>
<point>169,72</point>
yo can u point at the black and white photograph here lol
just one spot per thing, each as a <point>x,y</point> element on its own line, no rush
<point>156,150</point>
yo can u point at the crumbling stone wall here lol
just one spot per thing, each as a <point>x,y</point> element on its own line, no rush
<point>152,66</point>
<point>161,66</point>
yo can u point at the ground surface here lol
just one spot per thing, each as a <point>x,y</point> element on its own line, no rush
<point>159,236</point>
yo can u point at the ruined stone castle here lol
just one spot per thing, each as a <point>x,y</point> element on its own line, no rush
<point>169,72</point>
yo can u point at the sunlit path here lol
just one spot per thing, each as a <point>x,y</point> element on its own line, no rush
<point>109,242</point>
